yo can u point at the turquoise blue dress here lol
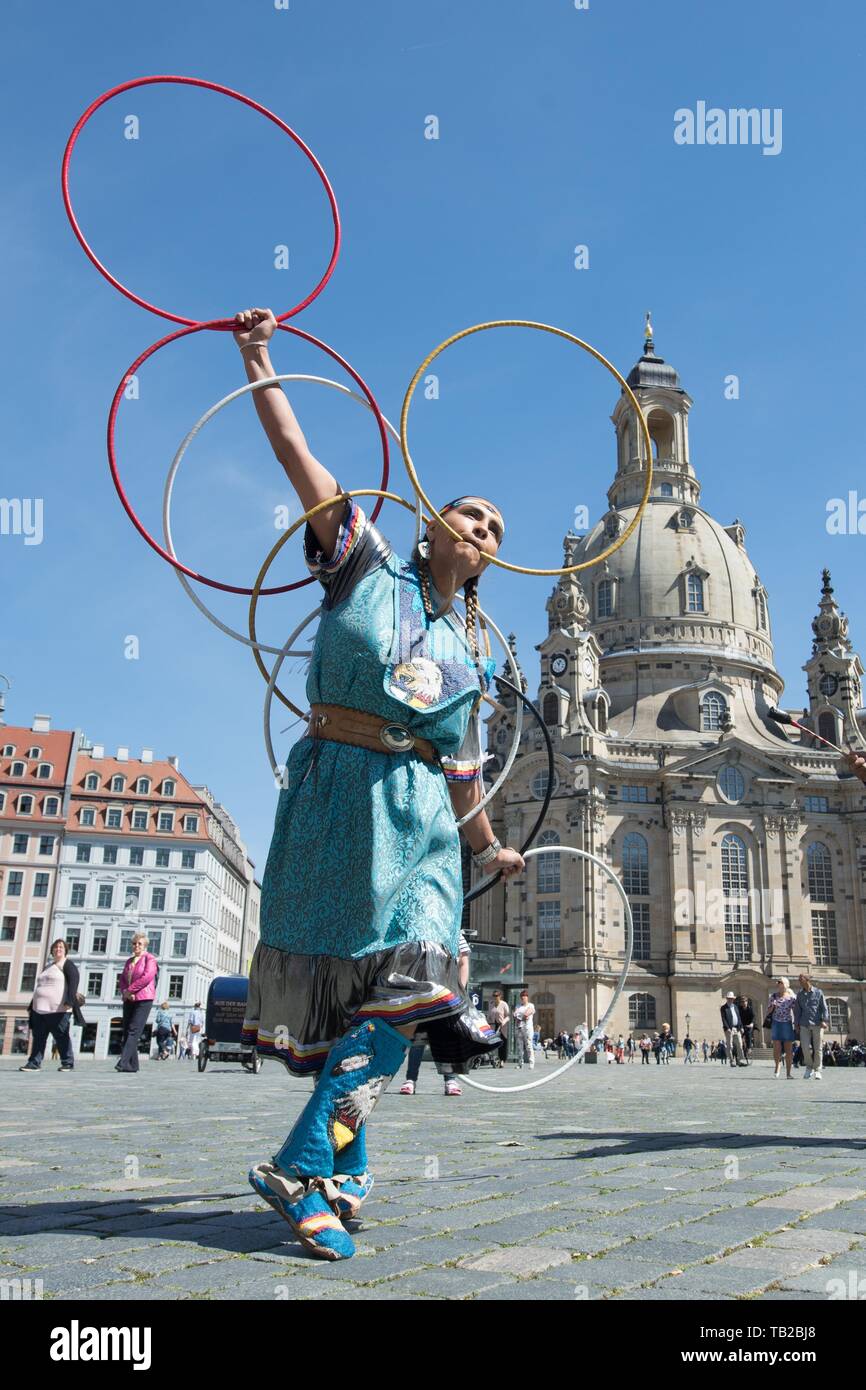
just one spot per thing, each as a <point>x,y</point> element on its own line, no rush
<point>362,894</point>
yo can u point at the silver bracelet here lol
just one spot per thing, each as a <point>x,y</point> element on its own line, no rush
<point>484,856</point>
<point>242,346</point>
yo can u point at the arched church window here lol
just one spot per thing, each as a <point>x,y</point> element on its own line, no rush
<point>713,709</point>
<point>667,490</point>
<point>550,709</point>
<point>684,520</point>
<point>735,890</point>
<point>762,610</point>
<point>820,871</point>
<point>604,599</point>
<point>827,726</point>
<point>548,878</point>
<point>694,593</point>
<point>661,429</point>
<point>635,864</point>
<point>601,714</point>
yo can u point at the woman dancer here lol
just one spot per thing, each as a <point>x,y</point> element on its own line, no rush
<point>362,891</point>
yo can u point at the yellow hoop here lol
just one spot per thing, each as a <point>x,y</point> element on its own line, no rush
<point>560,333</point>
<point>257,587</point>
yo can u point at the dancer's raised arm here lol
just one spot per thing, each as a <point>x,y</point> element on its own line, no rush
<point>311,481</point>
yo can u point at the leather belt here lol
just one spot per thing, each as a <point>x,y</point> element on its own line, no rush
<point>367,731</point>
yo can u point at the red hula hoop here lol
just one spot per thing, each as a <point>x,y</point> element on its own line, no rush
<point>139,526</point>
<point>219,324</point>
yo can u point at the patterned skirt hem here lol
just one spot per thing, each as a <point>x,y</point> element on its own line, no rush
<point>298,1006</point>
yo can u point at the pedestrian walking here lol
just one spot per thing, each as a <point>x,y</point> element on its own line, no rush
<point>498,1015</point>
<point>630,1047</point>
<point>646,1048</point>
<point>705,1049</point>
<point>55,1003</point>
<point>811,1017</point>
<point>780,1021</point>
<point>747,1019</point>
<point>195,1028</point>
<point>688,1050</point>
<point>524,1017</point>
<point>165,1031</point>
<point>732,1024</point>
<point>138,991</point>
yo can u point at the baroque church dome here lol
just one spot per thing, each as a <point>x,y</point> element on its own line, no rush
<point>682,578</point>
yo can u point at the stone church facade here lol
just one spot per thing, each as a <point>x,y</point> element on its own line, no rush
<point>740,843</point>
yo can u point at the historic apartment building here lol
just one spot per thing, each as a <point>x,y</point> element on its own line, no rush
<point>96,848</point>
<point>740,844</point>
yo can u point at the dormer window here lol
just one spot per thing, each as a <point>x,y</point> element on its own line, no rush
<point>25,805</point>
<point>88,815</point>
<point>9,750</point>
<point>714,708</point>
<point>44,770</point>
<point>684,519</point>
<point>604,598</point>
<point>118,782</point>
<point>33,753</point>
<point>18,769</point>
<point>694,593</point>
<point>142,786</point>
<point>612,527</point>
<point>91,782</point>
<point>168,787</point>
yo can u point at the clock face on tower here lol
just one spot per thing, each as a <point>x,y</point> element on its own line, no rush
<point>828,684</point>
<point>559,664</point>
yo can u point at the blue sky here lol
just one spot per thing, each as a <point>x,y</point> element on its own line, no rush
<point>555,129</point>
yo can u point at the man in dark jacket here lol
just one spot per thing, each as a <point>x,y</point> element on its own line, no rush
<point>732,1024</point>
<point>747,1018</point>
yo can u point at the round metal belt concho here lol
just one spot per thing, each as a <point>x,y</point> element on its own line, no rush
<point>396,737</point>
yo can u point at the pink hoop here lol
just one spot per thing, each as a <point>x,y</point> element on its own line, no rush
<point>142,530</point>
<point>219,324</point>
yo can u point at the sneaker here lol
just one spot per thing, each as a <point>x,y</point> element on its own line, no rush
<point>67,1066</point>
<point>28,1067</point>
<point>452,1089</point>
<point>816,1076</point>
<point>807,1073</point>
<point>408,1088</point>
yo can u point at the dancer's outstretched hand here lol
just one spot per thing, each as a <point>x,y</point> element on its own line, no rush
<point>254,326</point>
<point>509,861</point>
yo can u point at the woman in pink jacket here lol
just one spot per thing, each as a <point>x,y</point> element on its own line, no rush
<point>138,991</point>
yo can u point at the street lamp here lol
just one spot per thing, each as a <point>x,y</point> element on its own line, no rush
<point>688,1025</point>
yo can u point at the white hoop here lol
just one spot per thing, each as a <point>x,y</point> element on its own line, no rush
<point>172,474</point>
<point>620,985</point>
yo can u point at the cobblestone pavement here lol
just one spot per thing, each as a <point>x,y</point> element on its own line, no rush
<point>621,1182</point>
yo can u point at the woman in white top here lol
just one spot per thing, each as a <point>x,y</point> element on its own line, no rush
<point>53,1006</point>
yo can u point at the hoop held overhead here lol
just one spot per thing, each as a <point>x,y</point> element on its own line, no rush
<point>218,324</point>
<point>141,528</point>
